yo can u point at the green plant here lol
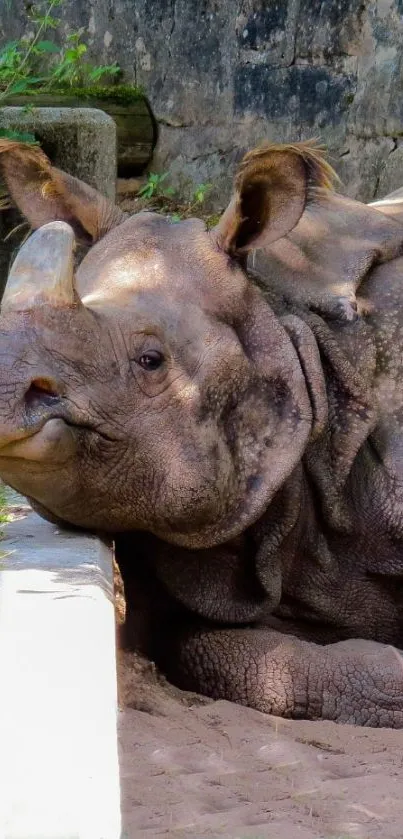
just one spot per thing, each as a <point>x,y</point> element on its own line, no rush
<point>20,60</point>
<point>198,198</point>
<point>36,65</point>
<point>153,188</point>
<point>72,71</point>
<point>21,136</point>
<point>200,193</point>
<point>167,200</point>
<point>170,202</point>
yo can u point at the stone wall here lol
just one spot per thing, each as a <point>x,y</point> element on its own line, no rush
<point>222,76</point>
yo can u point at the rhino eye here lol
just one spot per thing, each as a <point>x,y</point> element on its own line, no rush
<point>151,360</point>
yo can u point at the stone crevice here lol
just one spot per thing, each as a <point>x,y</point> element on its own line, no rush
<point>213,153</point>
<point>172,123</point>
<point>381,171</point>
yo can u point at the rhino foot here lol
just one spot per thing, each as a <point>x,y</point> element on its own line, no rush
<point>357,682</point>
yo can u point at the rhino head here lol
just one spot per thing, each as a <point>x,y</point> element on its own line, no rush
<point>154,388</point>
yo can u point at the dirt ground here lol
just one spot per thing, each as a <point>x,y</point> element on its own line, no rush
<point>193,768</point>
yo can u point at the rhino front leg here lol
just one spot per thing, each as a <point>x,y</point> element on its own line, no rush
<point>357,682</point>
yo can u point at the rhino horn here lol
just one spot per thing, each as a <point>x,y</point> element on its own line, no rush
<point>43,270</point>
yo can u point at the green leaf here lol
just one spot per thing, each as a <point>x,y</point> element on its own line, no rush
<point>18,87</point>
<point>32,80</point>
<point>74,53</point>
<point>47,46</point>
<point>200,192</point>
<point>24,85</point>
<point>49,22</point>
<point>10,45</point>
<point>74,37</point>
<point>146,191</point>
<point>96,73</point>
<point>21,136</point>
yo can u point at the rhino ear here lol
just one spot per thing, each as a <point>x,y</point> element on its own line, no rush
<point>43,193</point>
<point>272,187</point>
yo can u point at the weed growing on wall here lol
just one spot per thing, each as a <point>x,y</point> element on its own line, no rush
<point>38,64</point>
<point>156,196</point>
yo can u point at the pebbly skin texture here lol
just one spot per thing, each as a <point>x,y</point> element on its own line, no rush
<point>228,405</point>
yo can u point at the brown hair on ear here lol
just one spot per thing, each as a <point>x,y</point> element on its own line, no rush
<point>44,193</point>
<point>319,172</point>
<point>272,187</point>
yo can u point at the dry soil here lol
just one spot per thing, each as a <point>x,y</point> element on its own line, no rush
<point>194,768</point>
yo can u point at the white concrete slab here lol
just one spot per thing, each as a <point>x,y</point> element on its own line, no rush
<point>59,776</point>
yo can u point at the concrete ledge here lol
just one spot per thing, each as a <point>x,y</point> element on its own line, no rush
<point>59,776</point>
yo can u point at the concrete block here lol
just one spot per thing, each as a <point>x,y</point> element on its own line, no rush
<point>59,775</point>
<point>82,141</point>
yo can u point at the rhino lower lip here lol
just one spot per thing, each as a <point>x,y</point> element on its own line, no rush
<point>30,428</point>
<point>20,435</point>
<point>52,439</point>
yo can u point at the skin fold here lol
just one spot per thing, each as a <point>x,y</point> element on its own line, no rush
<point>227,404</point>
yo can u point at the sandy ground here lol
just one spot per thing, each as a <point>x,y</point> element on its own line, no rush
<point>193,768</point>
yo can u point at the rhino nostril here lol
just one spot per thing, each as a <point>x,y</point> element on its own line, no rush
<point>42,391</point>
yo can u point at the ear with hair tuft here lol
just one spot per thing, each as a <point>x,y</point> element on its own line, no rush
<point>44,194</point>
<point>272,187</point>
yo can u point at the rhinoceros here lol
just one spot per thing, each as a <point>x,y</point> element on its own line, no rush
<point>226,404</point>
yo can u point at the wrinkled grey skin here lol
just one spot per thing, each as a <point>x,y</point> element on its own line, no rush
<point>253,481</point>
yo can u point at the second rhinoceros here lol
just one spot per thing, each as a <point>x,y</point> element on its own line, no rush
<point>228,404</point>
